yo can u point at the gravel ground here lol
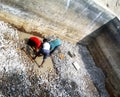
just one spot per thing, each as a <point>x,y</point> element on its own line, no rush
<point>17,79</point>
<point>89,79</point>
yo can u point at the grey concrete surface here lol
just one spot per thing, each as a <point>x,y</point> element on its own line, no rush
<point>71,18</point>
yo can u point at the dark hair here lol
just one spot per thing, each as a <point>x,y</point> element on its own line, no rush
<point>45,40</point>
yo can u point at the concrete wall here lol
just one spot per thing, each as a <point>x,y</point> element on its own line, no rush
<point>104,46</point>
<point>73,19</point>
<point>111,5</point>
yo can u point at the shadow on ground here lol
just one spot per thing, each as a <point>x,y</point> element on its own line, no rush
<point>17,85</point>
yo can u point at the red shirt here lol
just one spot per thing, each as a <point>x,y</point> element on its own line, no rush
<point>37,41</point>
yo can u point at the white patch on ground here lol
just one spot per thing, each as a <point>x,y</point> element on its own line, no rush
<point>9,58</point>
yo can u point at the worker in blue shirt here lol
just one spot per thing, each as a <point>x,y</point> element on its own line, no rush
<point>54,44</point>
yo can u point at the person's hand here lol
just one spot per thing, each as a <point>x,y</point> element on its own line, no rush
<point>40,66</point>
<point>33,58</point>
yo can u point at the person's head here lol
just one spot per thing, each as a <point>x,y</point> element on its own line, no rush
<point>45,40</point>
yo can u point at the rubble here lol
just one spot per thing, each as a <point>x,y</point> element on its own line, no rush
<point>86,77</point>
<point>18,80</point>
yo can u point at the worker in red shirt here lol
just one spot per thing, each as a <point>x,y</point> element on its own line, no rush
<point>34,42</point>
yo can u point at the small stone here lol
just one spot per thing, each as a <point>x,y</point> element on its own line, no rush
<point>61,56</point>
<point>71,54</point>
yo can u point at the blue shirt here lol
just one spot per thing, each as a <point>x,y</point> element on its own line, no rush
<point>55,43</point>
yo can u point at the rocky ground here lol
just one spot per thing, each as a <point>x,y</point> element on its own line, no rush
<point>76,74</point>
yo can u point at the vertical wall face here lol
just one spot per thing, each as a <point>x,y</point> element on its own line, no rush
<point>71,18</point>
<point>105,50</point>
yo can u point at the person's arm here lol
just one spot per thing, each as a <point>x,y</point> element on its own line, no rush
<point>38,53</point>
<point>45,55</point>
<point>41,65</point>
<point>34,57</point>
<point>44,58</point>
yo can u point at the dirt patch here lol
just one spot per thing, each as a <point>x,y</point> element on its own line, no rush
<point>47,66</point>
